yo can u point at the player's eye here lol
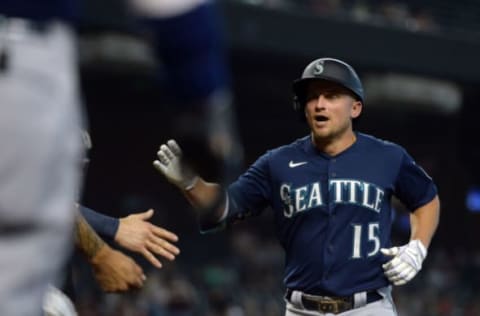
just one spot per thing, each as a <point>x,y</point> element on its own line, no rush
<point>332,95</point>
<point>311,96</point>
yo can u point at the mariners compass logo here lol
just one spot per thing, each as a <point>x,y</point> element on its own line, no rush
<point>318,69</point>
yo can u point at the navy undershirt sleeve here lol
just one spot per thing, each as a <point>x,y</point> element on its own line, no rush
<point>104,225</point>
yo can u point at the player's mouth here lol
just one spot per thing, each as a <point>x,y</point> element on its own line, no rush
<point>320,118</point>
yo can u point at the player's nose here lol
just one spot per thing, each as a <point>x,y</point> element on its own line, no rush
<point>320,102</point>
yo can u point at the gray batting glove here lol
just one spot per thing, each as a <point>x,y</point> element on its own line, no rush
<point>170,164</point>
<point>407,261</point>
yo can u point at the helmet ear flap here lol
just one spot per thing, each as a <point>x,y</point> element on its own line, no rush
<point>298,107</point>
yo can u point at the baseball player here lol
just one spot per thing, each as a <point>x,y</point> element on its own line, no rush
<point>330,194</point>
<point>41,146</point>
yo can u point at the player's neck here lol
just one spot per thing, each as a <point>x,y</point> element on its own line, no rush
<point>336,145</point>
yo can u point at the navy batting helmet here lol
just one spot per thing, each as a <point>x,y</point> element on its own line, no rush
<point>328,69</point>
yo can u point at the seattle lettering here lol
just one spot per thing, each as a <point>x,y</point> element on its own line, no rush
<point>340,191</point>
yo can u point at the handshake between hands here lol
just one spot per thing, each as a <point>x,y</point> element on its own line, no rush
<point>406,263</point>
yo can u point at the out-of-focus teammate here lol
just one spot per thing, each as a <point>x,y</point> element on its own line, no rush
<point>40,169</point>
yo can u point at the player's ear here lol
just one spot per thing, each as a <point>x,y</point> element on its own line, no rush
<point>356,110</point>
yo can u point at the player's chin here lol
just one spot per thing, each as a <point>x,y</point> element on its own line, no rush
<point>320,132</point>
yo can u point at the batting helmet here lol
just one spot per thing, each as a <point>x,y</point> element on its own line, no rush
<point>328,69</point>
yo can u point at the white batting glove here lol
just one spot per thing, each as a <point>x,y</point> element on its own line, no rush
<point>170,164</point>
<point>407,261</point>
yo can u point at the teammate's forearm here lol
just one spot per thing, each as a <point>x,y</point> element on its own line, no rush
<point>105,226</point>
<point>203,195</point>
<point>424,221</point>
<point>86,239</point>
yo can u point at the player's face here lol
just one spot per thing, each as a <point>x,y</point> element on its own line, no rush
<point>330,109</point>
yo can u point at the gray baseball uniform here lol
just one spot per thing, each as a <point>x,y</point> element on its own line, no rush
<point>40,160</point>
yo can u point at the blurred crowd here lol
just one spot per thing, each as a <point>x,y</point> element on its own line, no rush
<point>425,16</point>
<point>447,286</point>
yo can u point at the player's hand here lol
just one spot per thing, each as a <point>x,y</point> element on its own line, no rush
<point>135,233</point>
<point>407,261</point>
<point>116,272</point>
<point>170,164</point>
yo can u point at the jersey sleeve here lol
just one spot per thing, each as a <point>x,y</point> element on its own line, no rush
<point>104,225</point>
<point>250,194</point>
<point>413,186</point>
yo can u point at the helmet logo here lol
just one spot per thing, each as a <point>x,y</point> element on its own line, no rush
<point>318,69</point>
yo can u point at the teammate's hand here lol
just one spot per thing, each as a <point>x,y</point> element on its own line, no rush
<point>407,261</point>
<point>135,233</point>
<point>116,272</point>
<point>170,164</point>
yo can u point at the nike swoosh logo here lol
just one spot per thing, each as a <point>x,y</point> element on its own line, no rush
<point>292,164</point>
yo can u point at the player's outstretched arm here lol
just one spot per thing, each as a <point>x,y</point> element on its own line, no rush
<point>137,234</point>
<point>407,260</point>
<point>114,271</point>
<point>201,194</point>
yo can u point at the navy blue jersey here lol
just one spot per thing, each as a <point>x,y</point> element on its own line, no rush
<point>332,214</point>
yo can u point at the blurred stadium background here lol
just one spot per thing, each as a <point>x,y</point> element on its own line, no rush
<point>419,64</point>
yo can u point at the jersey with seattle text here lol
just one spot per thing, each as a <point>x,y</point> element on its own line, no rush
<point>332,214</point>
